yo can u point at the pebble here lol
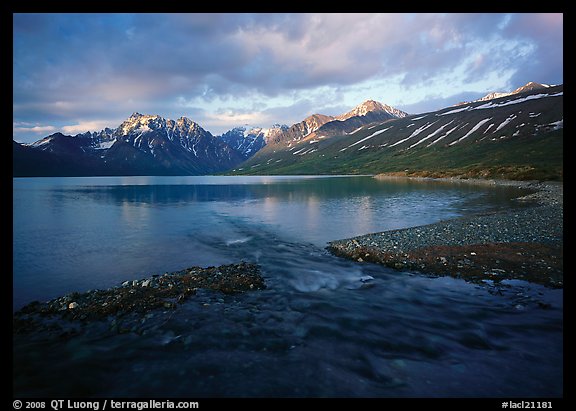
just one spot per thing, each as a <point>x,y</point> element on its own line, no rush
<point>539,224</point>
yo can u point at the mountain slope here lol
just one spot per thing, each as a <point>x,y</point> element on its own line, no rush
<point>29,162</point>
<point>519,135</point>
<point>319,127</point>
<point>298,131</point>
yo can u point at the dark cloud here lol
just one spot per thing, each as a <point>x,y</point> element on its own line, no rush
<point>545,32</point>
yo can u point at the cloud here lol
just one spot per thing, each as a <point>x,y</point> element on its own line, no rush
<point>84,126</point>
<point>37,129</point>
<point>545,32</point>
<point>95,66</point>
<point>20,129</point>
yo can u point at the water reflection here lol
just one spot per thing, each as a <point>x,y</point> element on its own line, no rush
<point>180,190</point>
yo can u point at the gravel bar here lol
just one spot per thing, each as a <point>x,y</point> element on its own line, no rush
<point>522,244</point>
<point>165,292</point>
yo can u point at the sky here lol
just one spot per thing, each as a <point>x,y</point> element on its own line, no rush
<point>74,73</point>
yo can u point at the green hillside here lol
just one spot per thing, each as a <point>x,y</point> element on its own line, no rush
<point>515,137</point>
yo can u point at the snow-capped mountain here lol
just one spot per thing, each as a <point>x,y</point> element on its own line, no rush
<point>153,135</point>
<point>300,130</point>
<point>245,141</point>
<point>249,140</point>
<point>323,126</point>
<point>518,130</point>
<point>273,131</point>
<point>143,144</point>
<point>530,86</point>
<point>151,144</point>
<point>493,95</point>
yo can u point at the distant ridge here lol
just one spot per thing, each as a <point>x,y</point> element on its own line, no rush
<point>530,86</point>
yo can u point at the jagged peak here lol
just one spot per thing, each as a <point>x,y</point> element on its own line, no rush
<point>186,121</point>
<point>139,116</point>
<point>147,122</point>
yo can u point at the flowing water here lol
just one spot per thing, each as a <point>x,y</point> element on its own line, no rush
<point>324,326</point>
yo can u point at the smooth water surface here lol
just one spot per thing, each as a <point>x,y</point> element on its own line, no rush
<point>324,327</point>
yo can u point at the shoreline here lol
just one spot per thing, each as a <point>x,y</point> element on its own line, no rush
<point>470,248</point>
<point>522,244</point>
<point>164,292</point>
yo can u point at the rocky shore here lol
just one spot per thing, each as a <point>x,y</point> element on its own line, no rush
<point>139,296</point>
<point>524,244</point>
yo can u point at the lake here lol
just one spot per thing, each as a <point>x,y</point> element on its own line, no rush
<point>324,326</point>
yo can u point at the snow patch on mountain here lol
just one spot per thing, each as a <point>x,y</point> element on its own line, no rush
<point>516,101</point>
<point>415,133</point>
<point>437,131</point>
<point>367,138</point>
<point>444,135</point>
<point>505,122</point>
<point>530,86</point>
<point>472,130</point>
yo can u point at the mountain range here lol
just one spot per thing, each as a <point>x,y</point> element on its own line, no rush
<point>326,126</point>
<point>153,145</point>
<point>521,129</point>
<point>141,145</point>
<point>518,135</point>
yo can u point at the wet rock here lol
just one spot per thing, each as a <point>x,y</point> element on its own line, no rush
<point>143,296</point>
